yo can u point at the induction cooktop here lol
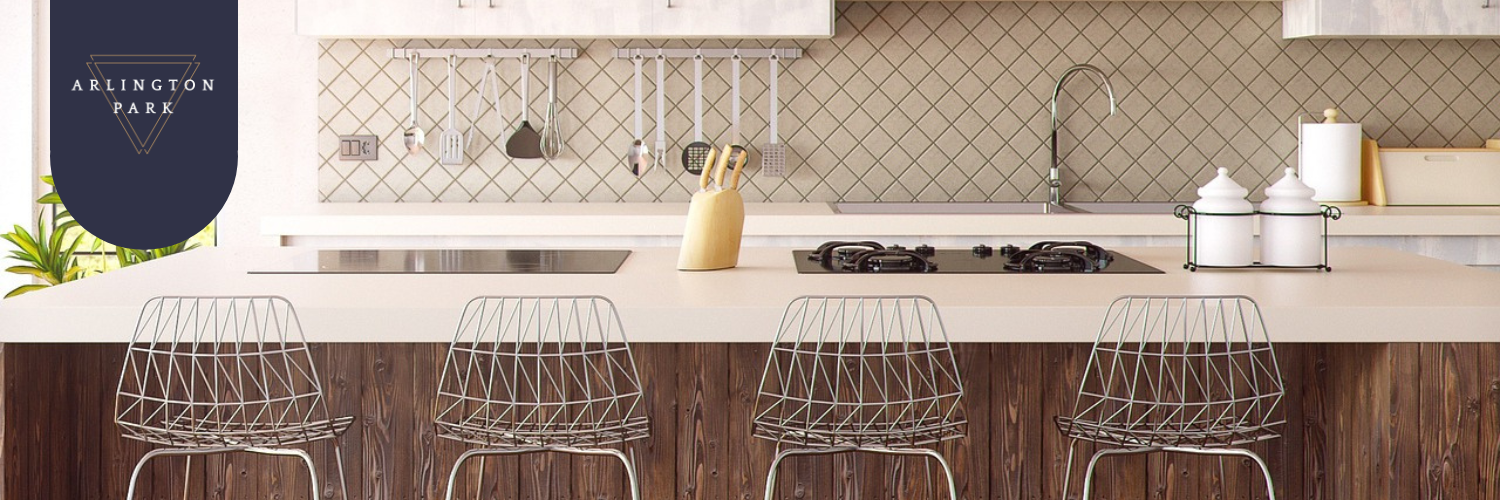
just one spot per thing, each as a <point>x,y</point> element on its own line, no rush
<point>441,261</point>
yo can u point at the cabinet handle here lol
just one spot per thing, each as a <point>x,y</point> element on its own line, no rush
<point>460,4</point>
<point>1486,4</point>
<point>669,4</point>
<point>492,4</point>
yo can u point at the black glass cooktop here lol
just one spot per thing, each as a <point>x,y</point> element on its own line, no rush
<point>956,261</point>
<point>395,261</point>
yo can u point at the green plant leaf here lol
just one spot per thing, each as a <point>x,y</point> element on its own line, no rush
<point>25,288</point>
<point>50,199</point>
<point>48,179</point>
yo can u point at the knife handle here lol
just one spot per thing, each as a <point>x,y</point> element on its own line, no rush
<point>723,165</point>
<point>739,164</point>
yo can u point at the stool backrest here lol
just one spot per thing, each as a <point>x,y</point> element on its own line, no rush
<point>860,370</point>
<point>552,368</point>
<point>1182,371</point>
<point>200,367</point>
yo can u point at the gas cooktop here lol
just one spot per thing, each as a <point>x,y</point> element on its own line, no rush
<point>1058,257</point>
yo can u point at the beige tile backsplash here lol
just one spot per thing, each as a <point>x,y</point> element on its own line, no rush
<point>935,101</point>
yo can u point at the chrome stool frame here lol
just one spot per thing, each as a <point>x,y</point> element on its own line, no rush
<point>541,374</point>
<point>1187,374</point>
<point>207,375</point>
<point>860,374</point>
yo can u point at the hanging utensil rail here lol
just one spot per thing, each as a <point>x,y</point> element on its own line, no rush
<point>479,53</point>
<point>792,53</point>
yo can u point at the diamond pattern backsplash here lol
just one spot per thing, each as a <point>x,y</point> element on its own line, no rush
<point>931,101</point>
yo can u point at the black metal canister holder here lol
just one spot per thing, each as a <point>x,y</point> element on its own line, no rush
<point>1189,214</point>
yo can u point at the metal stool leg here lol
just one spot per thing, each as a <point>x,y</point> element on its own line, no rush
<point>947,470</point>
<point>166,452</point>
<point>187,470</point>
<point>338,458</point>
<point>1241,452</point>
<point>943,462</point>
<point>458,464</point>
<point>630,473</point>
<point>782,455</point>
<point>1088,475</point>
<point>1068,472</point>
<point>312,470</point>
<point>1265,471</point>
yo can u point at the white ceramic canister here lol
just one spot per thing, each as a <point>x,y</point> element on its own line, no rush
<point>1291,225</point>
<point>1328,155</point>
<point>1225,233</point>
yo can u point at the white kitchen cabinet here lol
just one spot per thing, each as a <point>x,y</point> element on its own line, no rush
<point>565,18</point>
<point>743,18</point>
<point>1391,18</point>
<point>383,18</point>
<point>560,19</point>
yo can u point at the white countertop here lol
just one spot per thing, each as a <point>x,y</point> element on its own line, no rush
<point>1373,295</point>
<point>807,219</point>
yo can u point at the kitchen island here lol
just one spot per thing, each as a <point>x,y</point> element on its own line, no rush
<point>1373,295</point>
<point>1391,367</point>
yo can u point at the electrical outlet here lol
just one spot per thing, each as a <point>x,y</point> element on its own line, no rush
<point>358,148</point>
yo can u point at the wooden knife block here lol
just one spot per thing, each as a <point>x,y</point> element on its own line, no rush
<point>715,224</point>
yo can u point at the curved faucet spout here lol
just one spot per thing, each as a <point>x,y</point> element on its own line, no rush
<point>1054,179</point>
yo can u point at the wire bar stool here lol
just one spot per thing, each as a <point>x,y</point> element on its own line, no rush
<point>206,375</point>
<point>1189,374</point>
<point>541,374</point>
<point>860,374</point>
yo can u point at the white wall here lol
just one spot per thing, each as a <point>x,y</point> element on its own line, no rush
<point>17,123</point>
<point>278,168</point>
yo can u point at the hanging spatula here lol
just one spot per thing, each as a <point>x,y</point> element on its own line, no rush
<point>694,154</point>
<point>736,149</point>
<point>526,142</point>
<point>451,142</point>
<point>773,154</point>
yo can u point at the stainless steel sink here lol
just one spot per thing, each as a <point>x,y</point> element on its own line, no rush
<point>920,208</point>
<point>1112,207</point>
<point>1002,208</point>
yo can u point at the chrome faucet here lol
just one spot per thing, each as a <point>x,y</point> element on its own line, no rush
<point>1054,179</point>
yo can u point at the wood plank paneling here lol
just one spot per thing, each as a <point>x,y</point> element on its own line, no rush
<point>748,457</point>
<point>1489,422</point>
<point>1450,421</point>
<point>1315,419</point>
<point>702,388</point>
<point>1404,428</point>
<point>1016,421</point>
<point>1391,421</point>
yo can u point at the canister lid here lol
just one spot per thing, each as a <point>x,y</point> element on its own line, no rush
<point>1222,195</point>
<point>1290,196</point>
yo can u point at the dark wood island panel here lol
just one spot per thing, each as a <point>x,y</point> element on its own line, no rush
<point>1364,421</point>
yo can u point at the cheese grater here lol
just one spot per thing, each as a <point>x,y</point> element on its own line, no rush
<point>773,154</point>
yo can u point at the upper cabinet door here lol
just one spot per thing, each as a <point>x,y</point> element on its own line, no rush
<point>1390,18</point>
<point>385,18</point>
<point>743,18</point>
<point>561,18</point>
<point>1464,18</point>
<point>565,18</point>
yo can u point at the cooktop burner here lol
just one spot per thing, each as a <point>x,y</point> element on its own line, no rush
<point>856,257</point>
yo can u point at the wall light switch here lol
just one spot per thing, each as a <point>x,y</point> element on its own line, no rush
<point>358,148</point>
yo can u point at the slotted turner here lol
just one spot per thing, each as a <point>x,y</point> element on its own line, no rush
<point>773,154</point>
<point>526,142</point>
<point>451,141</point>
<point>695,154</point>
